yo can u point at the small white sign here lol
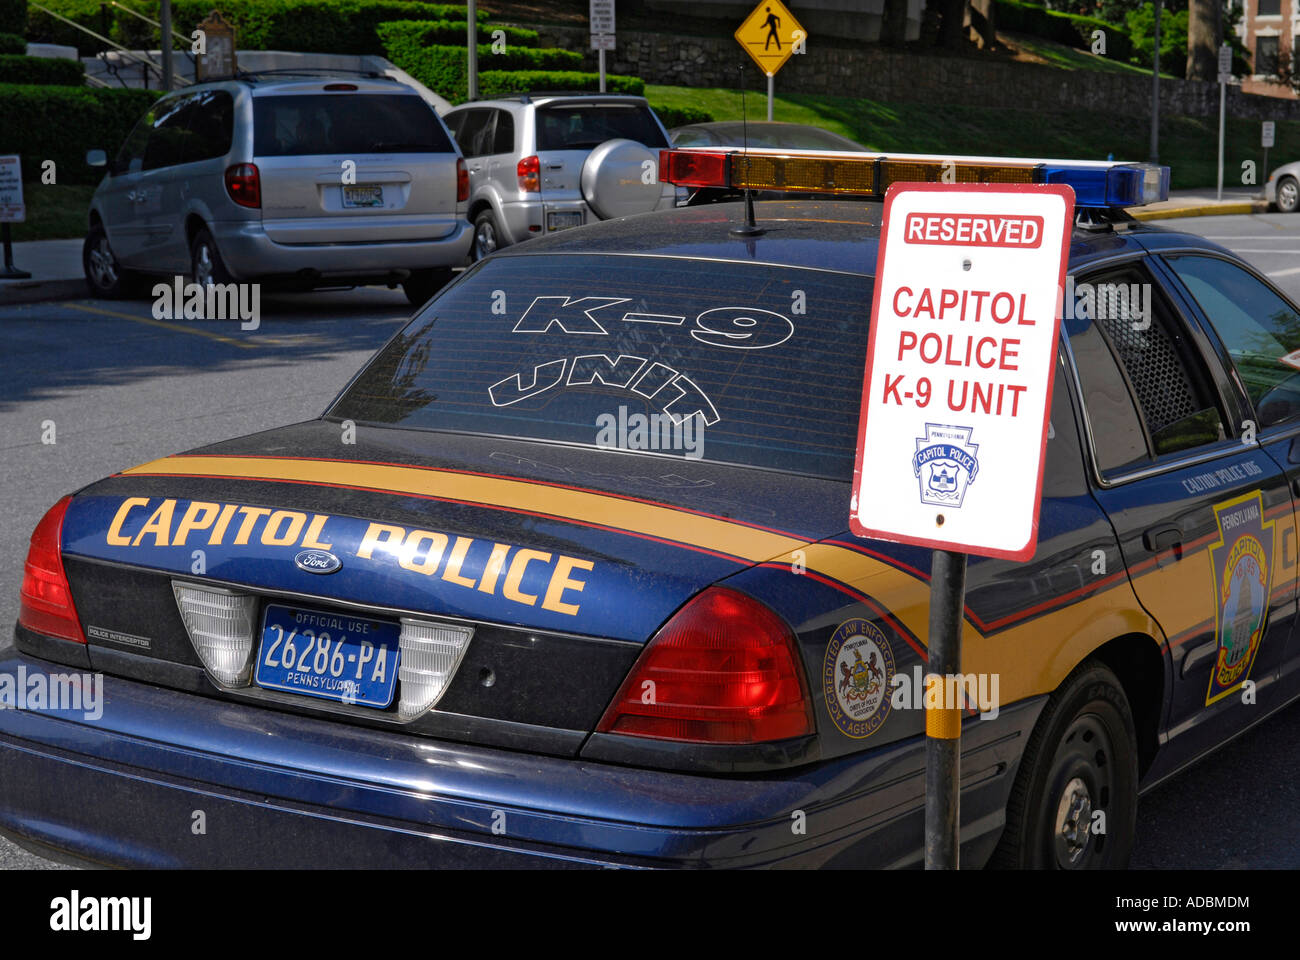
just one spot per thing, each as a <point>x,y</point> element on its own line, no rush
<point>602,43</point>
<point>12,208</point>
<point>1266,134</point>
<point>602,18</point>
<point>1225,60</point>
<point>956,396</point>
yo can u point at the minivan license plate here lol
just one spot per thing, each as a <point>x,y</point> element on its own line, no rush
<point>335,656</point>
<point>363,196</point>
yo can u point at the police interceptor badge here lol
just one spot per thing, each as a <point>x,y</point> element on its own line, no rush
<point>856,677</point>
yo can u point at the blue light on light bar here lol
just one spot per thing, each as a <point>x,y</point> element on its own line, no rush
<point>1106,185</point>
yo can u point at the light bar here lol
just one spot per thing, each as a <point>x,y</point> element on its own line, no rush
<point>1095,183</point>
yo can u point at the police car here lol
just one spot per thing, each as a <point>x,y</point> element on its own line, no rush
<point>564,576</point>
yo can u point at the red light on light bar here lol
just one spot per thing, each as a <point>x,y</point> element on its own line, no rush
<point>694,168</point>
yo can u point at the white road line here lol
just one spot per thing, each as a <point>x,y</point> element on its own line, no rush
<point>1283,273</point>
<point>1263,250</point>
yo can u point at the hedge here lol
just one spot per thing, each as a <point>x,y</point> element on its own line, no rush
<point>309,26</point>
<point>1067,28</point>
<point>13,16</point>
<point>680,116</point>
<point>405,37</point>
<point>498,83</point>
<point>12,43</point>
<point>46,71</point>
<point>62,123</point>
<point>443,69</point>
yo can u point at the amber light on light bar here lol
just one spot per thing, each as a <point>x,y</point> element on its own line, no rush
<point>951,171</point>
<point>796,173</point>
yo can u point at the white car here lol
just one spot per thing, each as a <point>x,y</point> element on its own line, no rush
<point>1283,187</point>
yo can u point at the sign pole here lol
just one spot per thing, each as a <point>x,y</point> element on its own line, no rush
<point>1225,72</point>
<point>10,272</point>
<point>943,724</point>
<point>771,81</point>
<point>471,52</point>
<point>602,69</point>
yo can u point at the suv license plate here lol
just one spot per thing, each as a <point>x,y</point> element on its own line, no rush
<point>335,656</point>
<point>363,196</point>
<point>563,220</point>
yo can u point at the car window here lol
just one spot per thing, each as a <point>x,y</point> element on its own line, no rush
<point>1123,325</point>
<point>503,139</point>
<point>584,126</point>
<point>287,125</point>
<point>1260,330</point>
<point>167,134</point>
<point>211,126</point>
<point>475,135</point>
<point>692,138</point>
<point>562,347</point>
<point>130,158</point>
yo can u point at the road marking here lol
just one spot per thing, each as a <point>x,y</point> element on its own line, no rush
<point>177,327</point>
<point>1263,250</point>
<point>1283,273</point>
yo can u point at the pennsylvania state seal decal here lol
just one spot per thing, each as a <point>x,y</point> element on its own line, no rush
<point>856,677</point>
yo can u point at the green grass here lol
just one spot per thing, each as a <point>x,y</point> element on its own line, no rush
<point>1188,145</point>
<point>54,211</point>
<point>1068,58</point>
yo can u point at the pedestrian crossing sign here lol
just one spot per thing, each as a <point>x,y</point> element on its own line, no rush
<point>770,34</point>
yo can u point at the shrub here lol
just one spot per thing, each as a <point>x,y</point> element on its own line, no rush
<point>680,116</point>
<point>41,70</point>
<point>12,43</point>
<point>498,83</point>
<point>443,69</point>
<point>13,16</point>
<point>1173,38</point>
<point>42,28</point>
<point>1067,28</point>
<point>404,37</point>
<point>62,123</point>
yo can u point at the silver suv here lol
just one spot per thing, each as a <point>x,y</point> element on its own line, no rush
<point>542,163</point>
<point>300,181</point>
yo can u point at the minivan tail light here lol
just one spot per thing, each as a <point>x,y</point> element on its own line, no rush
<point>462,180</point>
<point>530,174</point>
<point>244,184</point>
<point>724,669</point>
<point>45,599</point>
<point>340,86</point>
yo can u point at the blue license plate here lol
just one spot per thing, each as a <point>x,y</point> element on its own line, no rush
<point>335,656</point>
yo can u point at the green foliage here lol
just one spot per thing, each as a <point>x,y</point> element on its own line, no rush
<point>62,123</point>
<point>41,70</point>
<point>12,43</point>
<point>13,16</point>
<point>443,69</point>
<point>1173,38</point>
<point>680,116</point>
<point>498,83</point>
<point>404,37</point>
<point>42,28</point>
<point>1068,28</point>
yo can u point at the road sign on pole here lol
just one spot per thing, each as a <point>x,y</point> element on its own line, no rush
<point>954,423</point>
<point>1266,134</point>
<point>12,210</point>
<point>1225,74</point>
<point>602,32</point>
<point>771,35</point>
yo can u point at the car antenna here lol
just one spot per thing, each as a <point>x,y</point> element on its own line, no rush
<point>749,228</point>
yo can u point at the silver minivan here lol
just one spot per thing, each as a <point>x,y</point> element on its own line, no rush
<point>295,180</point>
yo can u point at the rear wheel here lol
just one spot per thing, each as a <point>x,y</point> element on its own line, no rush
<point>423,284</point>
<point>1288,195</point>
<point>487,235</point>
<point>104,275</point>
<point>206,265</point>
<point>1074,802</point>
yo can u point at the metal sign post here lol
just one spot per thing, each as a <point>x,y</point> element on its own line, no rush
<point>12,210</point>
<point>1225,74</point>
<point>471,52</point>
<point>1266,134</point>
<point>953,428</point>
<point>602,32</point>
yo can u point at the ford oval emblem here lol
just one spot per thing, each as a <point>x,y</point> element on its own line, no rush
<point>317,561</point>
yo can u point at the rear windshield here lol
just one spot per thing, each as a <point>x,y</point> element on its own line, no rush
<point>583,126</point>
<point>307,124</point>
<point>734,363</point>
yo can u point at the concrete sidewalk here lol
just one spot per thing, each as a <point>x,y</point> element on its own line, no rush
<point>55,268</point>
<point>1203,203</point>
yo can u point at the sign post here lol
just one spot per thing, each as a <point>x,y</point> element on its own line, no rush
<point>1266,140</point>
<point>1225,74</point>
<point>12,210</point>
<point>770,34</point>
<point>955,414</point>
<point>471,51</point>
<point>602,32</point>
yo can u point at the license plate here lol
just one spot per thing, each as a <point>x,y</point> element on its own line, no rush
<point>363,196</point>
<point>329,655</point>
<point>563,220</point>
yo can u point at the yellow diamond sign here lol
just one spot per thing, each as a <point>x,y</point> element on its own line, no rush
<point>770,34</point>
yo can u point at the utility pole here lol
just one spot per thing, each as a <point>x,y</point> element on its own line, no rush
<point>1155,92</point>
<point>471,72</point>
<point>165,26</point>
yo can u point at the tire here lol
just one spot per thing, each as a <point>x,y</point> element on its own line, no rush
<point>206,265</point>
<point>105,277</point>
<point>487,236</point>
<point>1288,195</point>
<point>423,284</point>
<point>1081,758</point>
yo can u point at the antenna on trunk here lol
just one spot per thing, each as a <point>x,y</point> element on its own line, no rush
<point>749,228</point>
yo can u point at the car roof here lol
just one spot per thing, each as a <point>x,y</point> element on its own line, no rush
<point>837,235</point>
<point>549,98</point>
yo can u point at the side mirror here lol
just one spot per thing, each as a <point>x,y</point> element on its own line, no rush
<point>96,158</point>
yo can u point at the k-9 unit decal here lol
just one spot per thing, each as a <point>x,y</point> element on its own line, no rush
<point>1243,580</point>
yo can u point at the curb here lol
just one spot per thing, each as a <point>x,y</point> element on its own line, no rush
<point>1203,210</point>
<point>36,291</point>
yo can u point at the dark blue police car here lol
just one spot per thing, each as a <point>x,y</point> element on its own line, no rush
<point>564,576</point>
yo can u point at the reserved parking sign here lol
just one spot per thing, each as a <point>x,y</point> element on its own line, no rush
<point>955,399</point>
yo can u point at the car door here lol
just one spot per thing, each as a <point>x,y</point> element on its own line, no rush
<point>198,181</point>
<point>1259,330</point>
<point>158,191</point>
<point>1203,513</point>
<point>474,134</point>
<point>502,159</point>
<point>124,219</point>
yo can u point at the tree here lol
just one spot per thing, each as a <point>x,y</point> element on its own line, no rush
<point>983,20</point>
<point>952,28</point>
<point>1204,34</point>
<point>893,25</point>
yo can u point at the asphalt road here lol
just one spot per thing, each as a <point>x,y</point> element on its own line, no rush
<point>122,388</point>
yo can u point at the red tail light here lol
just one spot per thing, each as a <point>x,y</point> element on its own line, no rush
<point>724,669</point>
<point>244,184</point>
<point>689,168</point>
<point>530,174</point>
<point>462,181</point>
<point>46,599</point>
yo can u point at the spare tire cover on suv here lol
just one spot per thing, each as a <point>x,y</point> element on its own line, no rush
<point>612,181</point>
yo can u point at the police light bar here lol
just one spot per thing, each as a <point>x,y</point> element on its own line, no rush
<point>1095,183</point>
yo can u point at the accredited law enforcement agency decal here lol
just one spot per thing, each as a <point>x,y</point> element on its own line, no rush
<point>856,678</point>
<point>1242,584</point>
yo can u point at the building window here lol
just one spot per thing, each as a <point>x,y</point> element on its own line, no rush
<point>1266,56</point>
<point>1269,8</point>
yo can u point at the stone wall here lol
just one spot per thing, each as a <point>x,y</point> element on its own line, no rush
<point>867,70</point>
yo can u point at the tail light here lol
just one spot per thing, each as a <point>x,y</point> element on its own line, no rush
<point>530,174</point>
<point>724,669</point>
<point>462,180</point>
<point>46,598</point>
<point>244,184</point>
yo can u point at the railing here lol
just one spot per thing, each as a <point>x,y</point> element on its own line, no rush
<point>147,64</point>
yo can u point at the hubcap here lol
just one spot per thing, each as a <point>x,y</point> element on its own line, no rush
<point>1287,194</point>
<point>1084,771</point>
<point>1073,821</point>
<point>485,239</point>
<point>103,268</point>
<point>203,265</point>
